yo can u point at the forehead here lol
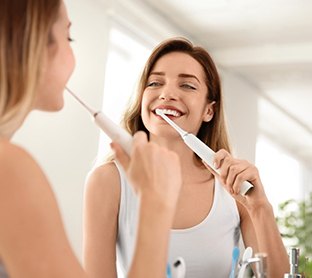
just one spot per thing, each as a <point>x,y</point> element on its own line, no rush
<point>179,62</point>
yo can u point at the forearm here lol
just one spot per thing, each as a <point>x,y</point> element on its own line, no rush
<point>150,256</point>
<point>269,240</point>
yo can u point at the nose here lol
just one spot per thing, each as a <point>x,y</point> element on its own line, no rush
<point>168,93</point>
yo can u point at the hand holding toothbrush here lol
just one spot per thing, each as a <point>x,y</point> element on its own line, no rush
<point>155,174</point>
<point>152,169</point>
<point>232,172</point>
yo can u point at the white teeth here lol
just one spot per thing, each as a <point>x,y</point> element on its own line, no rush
<point>170,112</point>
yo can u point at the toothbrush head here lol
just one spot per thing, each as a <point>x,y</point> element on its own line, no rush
<point>160,113</point>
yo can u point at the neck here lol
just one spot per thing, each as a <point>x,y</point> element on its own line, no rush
<point>7,135</point>
<point>192,168</point>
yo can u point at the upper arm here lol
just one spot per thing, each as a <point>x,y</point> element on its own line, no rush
<point>101,206</point>
<point>32,238</point>
<point>247,228</point>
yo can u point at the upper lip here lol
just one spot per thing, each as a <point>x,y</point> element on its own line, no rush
<point>168,107</point>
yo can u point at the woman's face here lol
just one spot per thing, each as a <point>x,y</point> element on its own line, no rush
<point>177,85</point>
<point>58,66</point>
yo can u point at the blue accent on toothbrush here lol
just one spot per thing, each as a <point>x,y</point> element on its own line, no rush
<point>235,256</point>
<point>168,271</point>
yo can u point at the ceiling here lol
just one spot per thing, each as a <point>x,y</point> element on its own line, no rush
<point>269,43</point>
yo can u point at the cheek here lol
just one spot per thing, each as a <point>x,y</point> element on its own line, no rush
<point>64,66</point>
<point>53,81</point>
<point>71,62</point>
<point>145,108</point>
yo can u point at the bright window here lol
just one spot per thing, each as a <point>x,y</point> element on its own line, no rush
<point>280,172</point>
<point>126,59</point>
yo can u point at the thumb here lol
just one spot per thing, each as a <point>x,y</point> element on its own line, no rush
<point>139,139</point>
<point>122,157</point>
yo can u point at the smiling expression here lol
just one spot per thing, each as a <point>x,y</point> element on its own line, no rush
<point>176,85</point>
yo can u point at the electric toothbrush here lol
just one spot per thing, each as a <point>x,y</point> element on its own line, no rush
<point>245,261</point>
<point>114,132</point>
<point>200,148</point>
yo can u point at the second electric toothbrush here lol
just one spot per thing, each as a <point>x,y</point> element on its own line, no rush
<point>114,132</point>
<point>200,148</point>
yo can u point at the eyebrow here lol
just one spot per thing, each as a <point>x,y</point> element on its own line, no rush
<point>183,75</point>
<point>157,73</point>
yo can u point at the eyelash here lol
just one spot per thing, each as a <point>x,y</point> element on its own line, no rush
<point>70,39</point>
<point>188,86</point>
<point>153,84</point>
<point>184,85</point>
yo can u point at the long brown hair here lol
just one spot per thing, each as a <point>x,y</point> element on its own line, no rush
<point>25,31</point>
<point>213,133</point>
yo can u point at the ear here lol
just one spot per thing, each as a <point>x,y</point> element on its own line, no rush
<point>209,112</point>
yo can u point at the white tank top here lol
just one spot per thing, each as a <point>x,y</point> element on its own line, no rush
<point>206,248</point>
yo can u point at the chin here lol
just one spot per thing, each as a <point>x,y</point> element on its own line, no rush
<point>56,107</point>
<point>51,107</point>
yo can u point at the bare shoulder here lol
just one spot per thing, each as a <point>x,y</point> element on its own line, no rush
<point>22,179</point>
<point>103,182</point>
<point>10,152</point>
<point>17,167</point>
<point>33,231</point>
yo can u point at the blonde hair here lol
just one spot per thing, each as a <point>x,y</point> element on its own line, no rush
<point>213,133</point>
<point>25,32</point>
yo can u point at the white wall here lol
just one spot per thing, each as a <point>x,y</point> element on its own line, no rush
<point>241,107</point>
<point>66,143</point>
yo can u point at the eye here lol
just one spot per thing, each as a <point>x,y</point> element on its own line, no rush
<point>153,84</point>
<point>188,86</point>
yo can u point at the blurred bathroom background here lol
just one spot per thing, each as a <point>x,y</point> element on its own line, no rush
<point>262,50</point>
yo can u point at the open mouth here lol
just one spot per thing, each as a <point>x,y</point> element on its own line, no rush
<point>169,112</point>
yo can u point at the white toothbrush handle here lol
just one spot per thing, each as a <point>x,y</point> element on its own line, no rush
<point>114,132</point>
<point>242,270</point>
<point>207,155</point>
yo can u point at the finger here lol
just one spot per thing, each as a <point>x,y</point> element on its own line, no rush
<point>139,138</point>
<point>122,157</point>
<point>217,175</point>
<point>239,179</point>
<point>251,175</point>
<point>224,171</point>
<point>234,170</point>
<point>219,157</point>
